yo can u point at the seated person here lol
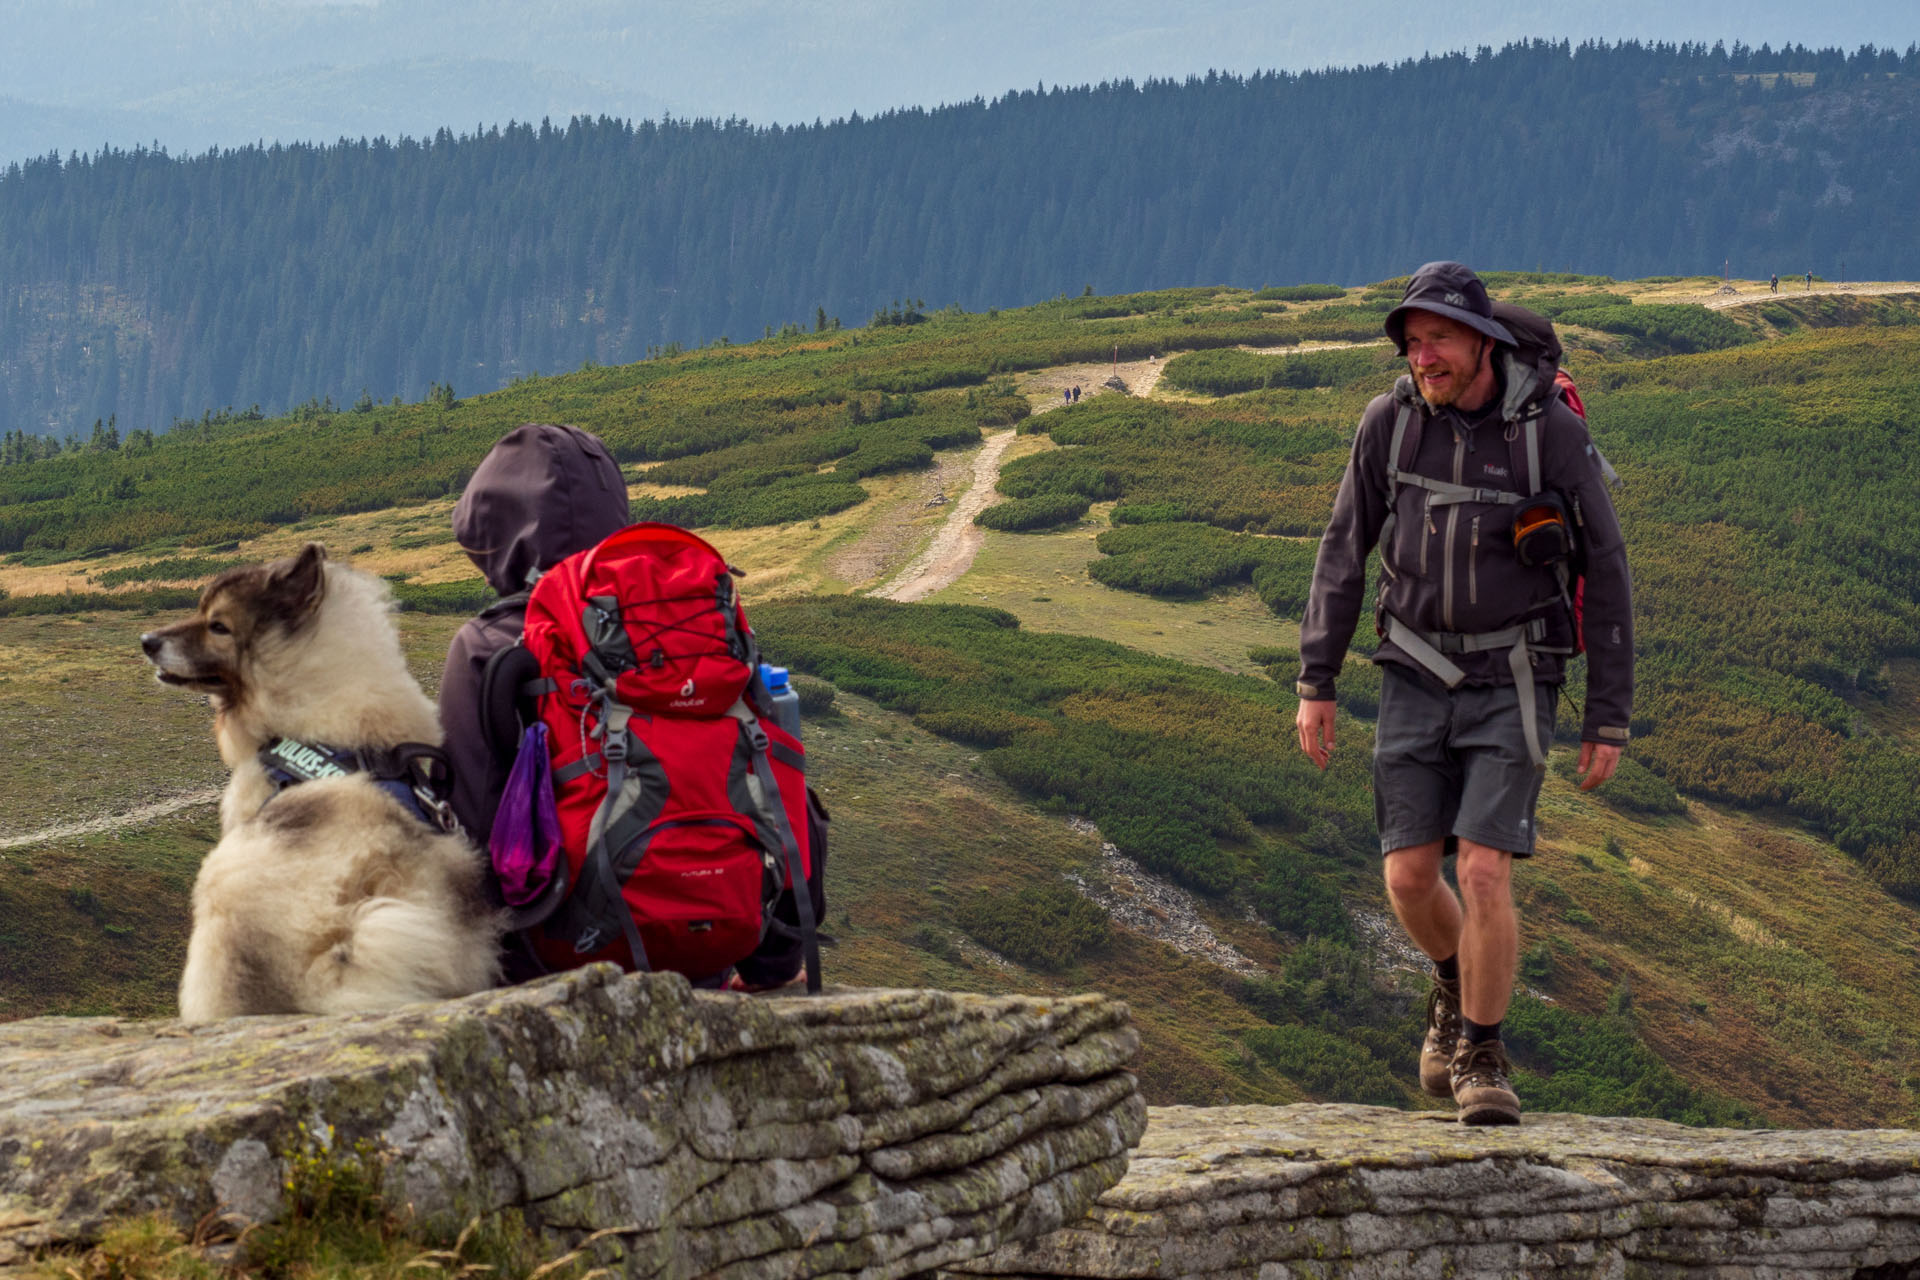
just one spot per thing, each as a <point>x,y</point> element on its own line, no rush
<point>542,493</point>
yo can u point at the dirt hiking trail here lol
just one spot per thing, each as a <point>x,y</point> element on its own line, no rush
<point>953,548</point>
<point>116,821</point>
<point>950,554</point>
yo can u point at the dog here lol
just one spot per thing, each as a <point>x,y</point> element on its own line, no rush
<point>335,894</point>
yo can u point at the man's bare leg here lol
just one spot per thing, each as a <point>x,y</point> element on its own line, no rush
<point>1490,938</point>
<point>1480,1073</point>
<point>1431,916</point>
<point>1427,909</point>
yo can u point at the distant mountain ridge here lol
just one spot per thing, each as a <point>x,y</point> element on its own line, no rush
<point>138,285</point>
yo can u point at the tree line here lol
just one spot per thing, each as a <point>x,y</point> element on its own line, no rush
<point>154,288</point>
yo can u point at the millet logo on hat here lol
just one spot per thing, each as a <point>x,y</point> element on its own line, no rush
<point>1448,289</point>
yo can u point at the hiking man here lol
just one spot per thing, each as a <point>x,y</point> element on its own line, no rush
<point>1487,498</point>
<point>1775,282</point>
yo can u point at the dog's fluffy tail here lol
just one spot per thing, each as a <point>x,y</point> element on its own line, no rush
<point>399,953</point>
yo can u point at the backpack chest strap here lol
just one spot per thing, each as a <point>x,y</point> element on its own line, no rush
<point>1446,493</point>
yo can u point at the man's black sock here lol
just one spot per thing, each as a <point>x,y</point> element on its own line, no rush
<point>1478,1033</point>
<point>1448,970</point>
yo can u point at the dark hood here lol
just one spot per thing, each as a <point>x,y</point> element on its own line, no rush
<point>542,493</point>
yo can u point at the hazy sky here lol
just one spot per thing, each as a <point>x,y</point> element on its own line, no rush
<point>78,73</point>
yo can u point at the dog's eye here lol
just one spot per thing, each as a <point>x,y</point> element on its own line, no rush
<point>218,628</point>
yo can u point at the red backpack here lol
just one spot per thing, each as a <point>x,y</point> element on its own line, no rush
<point>682,809</point>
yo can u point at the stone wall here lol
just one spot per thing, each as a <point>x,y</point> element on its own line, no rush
<point>1362,1192</point>
<point>879,1132</point>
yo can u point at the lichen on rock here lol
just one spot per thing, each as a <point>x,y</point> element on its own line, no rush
<point>881,1132</point>
<point>1369,1193</point>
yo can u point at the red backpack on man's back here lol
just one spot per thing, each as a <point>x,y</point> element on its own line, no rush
<point>682,813</point>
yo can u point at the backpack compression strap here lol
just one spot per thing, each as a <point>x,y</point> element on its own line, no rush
<point>773,814</point>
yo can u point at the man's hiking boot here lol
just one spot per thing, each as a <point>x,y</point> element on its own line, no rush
<point>1481,1088</point>
<point>1443,1034</point>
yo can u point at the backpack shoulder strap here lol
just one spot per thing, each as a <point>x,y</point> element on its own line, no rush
<point>509,685</point>
<point>1404,445</point>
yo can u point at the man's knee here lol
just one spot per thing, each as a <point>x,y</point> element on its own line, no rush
<point>1414,871</point>
<point>1485,874</point>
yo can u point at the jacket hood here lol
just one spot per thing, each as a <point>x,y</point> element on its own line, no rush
<point>542,493</point>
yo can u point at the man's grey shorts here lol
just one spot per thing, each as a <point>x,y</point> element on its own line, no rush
<point>1454,763</point>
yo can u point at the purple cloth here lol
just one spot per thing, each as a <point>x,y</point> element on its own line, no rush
<point>525,842</point>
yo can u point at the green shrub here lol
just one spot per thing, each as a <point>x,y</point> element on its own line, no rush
<point>1294,898</point>
<point>1537,964</point>
<point>170,570</point>
<point>65,602</point>
<point>1330,1067</point>
<point>816,697</point>
<point>469,595</point>
<point>1269,655</point>
<point>1300,292</point>
<point>1046,927</point>
<point>1231,372</point>
<point>1599,1066</point>
<point>1047,511</point>
<point>1682,327</point>
<point>1633,787</point>
<point>1060,472</point>
<point>1358,688</point>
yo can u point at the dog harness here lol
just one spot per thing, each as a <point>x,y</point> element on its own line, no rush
<point>417,775</point>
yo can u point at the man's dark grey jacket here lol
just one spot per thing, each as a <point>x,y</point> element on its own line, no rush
<point>1454,570</point>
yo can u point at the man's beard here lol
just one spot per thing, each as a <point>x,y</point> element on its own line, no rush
<point>1456,386</point>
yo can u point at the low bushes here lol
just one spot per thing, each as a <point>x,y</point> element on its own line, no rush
<point>1229,372</point>
<point>1047,927</point>
<point>1300,292</point>
<point>1044,511</point>
<point>470,595</point>
<point>1678,327</point>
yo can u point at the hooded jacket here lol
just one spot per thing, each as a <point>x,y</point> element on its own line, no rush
<point>542,493</point>
<point>1453,568</point>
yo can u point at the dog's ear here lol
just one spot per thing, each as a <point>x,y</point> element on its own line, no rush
<point>295,586</point>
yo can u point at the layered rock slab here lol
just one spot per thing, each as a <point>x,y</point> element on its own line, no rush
<point>1350,1191</point>
<point>877,1133</point>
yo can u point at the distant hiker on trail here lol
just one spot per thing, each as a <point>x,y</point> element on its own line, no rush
<point>1076,393</point>
<point>1066,395</point>
<point>1776,282</point>
<point>1809,280</point>
<point>1482,488</point>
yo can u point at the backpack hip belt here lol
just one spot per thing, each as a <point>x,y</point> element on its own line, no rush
<point>1430,650</point>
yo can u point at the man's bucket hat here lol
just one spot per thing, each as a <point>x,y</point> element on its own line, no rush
<point>1447,289</point>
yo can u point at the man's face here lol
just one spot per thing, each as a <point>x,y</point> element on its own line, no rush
<point>1447,361</point>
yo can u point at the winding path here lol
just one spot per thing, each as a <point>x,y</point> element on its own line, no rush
<point>953,548</point>
<point>115,821</point>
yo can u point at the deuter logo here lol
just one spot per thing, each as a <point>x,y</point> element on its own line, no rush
<point>686,690</point>
<point>1456,299</point>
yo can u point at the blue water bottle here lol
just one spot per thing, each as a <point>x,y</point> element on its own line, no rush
<point>786,703</point>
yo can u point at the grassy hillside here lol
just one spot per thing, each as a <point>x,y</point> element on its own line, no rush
<point>1740,951</point>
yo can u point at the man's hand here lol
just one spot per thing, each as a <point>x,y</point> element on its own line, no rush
<point>1598,760</point>
<point>1315,722</point>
